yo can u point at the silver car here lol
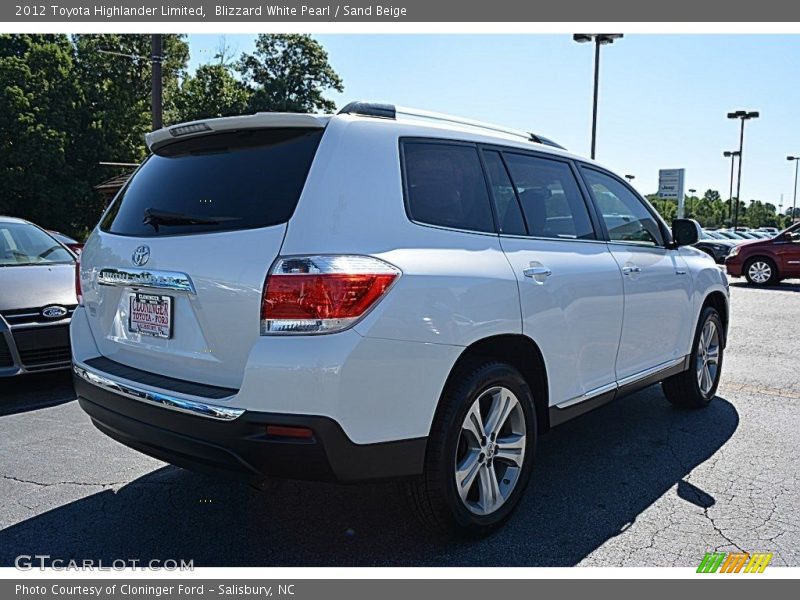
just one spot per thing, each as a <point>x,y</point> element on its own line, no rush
<point>37,299</point>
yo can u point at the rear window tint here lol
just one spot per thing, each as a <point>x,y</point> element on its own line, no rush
<point>221,182</point>
<point>445,186</point>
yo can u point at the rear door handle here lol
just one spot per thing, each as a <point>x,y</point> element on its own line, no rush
<point>628,269</point>
<point>537,272</point>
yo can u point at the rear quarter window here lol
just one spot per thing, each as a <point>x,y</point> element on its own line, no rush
<point>445,186</point>
<point>220,182</point>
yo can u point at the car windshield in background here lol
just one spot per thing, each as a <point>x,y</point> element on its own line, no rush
<point>24,244</point>
<point>220,182</point>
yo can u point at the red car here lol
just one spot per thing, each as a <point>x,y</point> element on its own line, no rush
<point>766,262</point>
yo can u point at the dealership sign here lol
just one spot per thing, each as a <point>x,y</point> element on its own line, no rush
<point>670,186</point>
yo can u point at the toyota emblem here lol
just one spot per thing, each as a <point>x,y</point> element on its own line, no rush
<point>141,255</point>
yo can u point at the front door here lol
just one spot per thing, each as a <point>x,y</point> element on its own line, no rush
<point>658,323</point>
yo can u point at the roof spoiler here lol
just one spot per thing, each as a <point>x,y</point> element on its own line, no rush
<point>264,120</point>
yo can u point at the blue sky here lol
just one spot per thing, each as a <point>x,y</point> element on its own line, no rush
<point>663,98</point>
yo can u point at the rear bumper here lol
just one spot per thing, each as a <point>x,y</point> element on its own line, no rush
<point>241,448</point>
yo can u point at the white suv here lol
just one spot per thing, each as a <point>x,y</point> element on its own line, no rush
<point>382,293</point>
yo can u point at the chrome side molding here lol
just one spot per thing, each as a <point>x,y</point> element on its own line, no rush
<point>148,278</point>
<point>192,407</point>
<point>611,387</point>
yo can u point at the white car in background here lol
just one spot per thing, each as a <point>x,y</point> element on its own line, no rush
<point>382,293</point>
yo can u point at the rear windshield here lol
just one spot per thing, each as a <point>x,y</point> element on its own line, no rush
<point>221,182</point>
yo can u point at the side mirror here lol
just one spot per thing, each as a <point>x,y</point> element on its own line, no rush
<point>685,232</point>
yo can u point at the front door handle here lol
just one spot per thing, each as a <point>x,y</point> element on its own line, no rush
<point>537,272</point>
<point>630,269</point>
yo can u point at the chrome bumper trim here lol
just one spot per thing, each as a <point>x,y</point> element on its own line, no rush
<point>192,407</point>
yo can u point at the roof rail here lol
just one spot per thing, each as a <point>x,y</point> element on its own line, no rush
<point>390,111</point>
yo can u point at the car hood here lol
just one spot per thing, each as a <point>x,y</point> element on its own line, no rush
<point>35,286</point>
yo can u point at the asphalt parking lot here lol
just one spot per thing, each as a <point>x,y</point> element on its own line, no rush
<point>636,483</point>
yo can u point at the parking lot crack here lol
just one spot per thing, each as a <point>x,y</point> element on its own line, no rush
<point>55,483</point>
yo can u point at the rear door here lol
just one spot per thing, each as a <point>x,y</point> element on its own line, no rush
<point>659,323</point>
<point>570,286</point>
<point>172,279</point>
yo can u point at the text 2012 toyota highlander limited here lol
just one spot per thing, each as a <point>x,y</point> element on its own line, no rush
<point>383,293</point>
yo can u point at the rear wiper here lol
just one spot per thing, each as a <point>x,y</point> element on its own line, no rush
<point>155,217</point>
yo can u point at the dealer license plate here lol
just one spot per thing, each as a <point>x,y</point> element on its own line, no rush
<point>150,314</point>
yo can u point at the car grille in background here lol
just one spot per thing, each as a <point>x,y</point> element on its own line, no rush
<point>43,346</point>
<point>26,316</point>
<point>5,353</point>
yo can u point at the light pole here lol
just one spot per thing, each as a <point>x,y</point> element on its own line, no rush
<point>742,115</point>
<point>156,96</point>
<point>692,192</point>
<point>796,160</point>
<point>599,39</point>
<point>732,154</point>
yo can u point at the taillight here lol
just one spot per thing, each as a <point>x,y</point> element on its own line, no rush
<point>78,291</point>
<point>322,294</point>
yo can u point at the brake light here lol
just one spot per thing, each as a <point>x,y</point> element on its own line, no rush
<point>322,294</point>
<point>78,291</point>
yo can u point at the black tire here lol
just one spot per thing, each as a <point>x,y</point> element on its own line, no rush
<point>773,278</point>
<point>683,390</point>
<point>434,496</point>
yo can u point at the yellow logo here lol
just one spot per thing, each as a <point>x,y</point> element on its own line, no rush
<point>734,562</point>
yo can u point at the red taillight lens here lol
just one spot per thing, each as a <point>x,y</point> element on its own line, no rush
<point>78,291</point>
<point>320,294</point>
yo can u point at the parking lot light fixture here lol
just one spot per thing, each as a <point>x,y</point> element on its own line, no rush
<point>796,160</point>
<point>742,115</point>
<point>630,178</point>
<point>732,154</point>
<point>599,39</point>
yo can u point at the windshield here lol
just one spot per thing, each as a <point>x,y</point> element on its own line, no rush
<point>25,244</point>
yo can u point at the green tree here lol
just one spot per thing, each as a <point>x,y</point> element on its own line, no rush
<point>289,73</point>
<point>39,108</point>
<point>212,91</point>
<point>117,103</point>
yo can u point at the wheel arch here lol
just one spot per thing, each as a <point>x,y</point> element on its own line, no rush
<point>718,301</point>
<point>522,353</point>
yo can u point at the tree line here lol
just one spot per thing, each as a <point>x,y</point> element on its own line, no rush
<point>712,212</point>
<point>67,104</point>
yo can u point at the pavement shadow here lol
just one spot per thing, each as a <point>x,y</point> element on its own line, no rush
<point>32,392</point>
<point>593,477</point>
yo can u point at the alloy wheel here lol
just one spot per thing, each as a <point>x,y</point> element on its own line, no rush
<point>708,349</point>
<point>760,272</point>
<point>490,451</point>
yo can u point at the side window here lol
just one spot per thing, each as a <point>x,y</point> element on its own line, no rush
<point>551,199</point>
<point>509,215</point>
<point>446,187</point>
<point>626,218</point>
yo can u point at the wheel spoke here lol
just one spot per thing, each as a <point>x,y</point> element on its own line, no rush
<point>466,471</point>
<point>713,355</point>
<point>502,405</point>
<point>511,448</point>
<point>473,423</point>
<point>490,497</point>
